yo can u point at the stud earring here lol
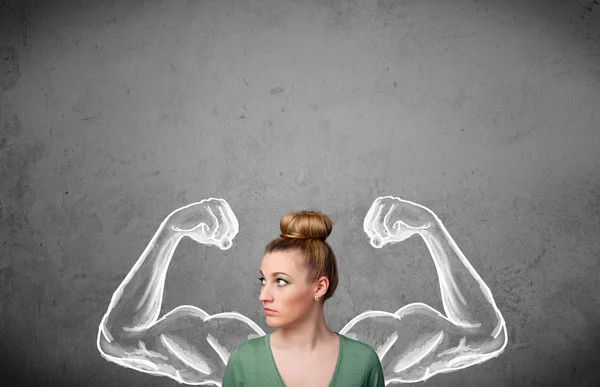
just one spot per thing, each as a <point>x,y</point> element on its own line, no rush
<point>316,298</point>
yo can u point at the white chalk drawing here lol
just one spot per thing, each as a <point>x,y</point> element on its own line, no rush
<point>192,347</point>
<point>417,341</point>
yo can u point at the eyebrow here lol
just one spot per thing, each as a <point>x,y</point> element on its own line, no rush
<point>276,273</point>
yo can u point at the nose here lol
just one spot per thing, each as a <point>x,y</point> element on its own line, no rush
<point>264,295</point>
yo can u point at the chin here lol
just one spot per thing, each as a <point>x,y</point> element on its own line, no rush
<point>273,322</point>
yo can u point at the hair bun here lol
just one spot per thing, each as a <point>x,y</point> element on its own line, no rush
<point>305,225</point>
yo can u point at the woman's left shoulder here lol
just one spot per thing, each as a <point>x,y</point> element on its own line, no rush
<point>356,347</point>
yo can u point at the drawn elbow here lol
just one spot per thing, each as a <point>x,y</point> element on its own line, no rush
<point>495,343</point>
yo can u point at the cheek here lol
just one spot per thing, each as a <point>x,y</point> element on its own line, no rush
<point>298,300</point>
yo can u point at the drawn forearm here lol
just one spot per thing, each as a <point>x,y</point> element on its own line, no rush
<point>466,298</point>
<point>136,303</point>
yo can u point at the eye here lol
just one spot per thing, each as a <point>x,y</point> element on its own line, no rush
<point>280,282</point>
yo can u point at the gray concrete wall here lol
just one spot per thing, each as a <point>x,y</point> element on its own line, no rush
<point>115,113</point>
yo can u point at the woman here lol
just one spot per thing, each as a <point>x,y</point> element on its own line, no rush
<point>298,274</point>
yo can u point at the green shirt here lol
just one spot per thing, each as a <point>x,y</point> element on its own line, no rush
<point>251,364</point>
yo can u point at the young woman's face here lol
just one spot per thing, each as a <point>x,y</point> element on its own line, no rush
<point>284,288</point>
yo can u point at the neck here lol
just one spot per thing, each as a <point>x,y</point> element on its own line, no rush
<point>305,335</point>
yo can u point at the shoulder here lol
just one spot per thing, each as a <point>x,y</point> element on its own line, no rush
<point>357,348</point>
<point>360,353</point>
<point>252,343</point>
<point>249,349</point>
<point>361,362</point>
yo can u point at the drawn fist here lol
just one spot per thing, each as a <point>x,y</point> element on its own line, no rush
<point>391,220</point>
<point>209,222</point>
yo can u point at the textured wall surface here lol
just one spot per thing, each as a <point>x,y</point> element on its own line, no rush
<point>115,113</point>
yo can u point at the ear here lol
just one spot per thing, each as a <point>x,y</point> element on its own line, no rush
<point>322,286</point>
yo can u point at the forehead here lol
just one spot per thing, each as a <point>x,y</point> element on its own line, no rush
<point>289,261</point>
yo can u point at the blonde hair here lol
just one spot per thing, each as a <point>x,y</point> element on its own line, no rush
<point>307,231</point>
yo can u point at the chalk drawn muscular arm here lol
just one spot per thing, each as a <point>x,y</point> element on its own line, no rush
<point>186,344</point>
<point>417,341</point>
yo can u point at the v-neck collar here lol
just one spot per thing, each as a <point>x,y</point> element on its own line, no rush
<point>276,374</point>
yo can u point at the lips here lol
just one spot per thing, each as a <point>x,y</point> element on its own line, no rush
<point>269,311</point>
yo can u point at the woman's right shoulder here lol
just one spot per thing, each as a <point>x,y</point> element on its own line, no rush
<point>251,346</point>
